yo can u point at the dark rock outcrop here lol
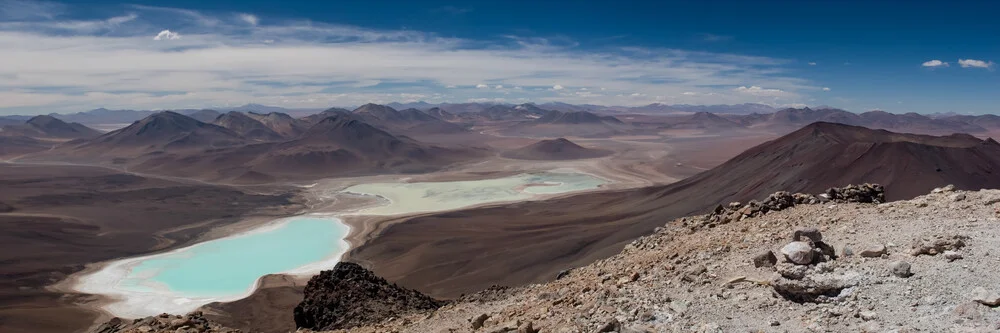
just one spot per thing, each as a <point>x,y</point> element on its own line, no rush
<point>350,296</point>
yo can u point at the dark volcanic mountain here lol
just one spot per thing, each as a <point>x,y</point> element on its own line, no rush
<point>49,127</point>
<point>409,121</point>
<point>337,146</point>
<point>315,118</point>
<point>163,131</point>
<point>350,296</point>
<point>704,120</point>
<point>593,226</point>
<point>246,126</point>
<point>205,116</point>
<point>440,113</point>
<point>556,149</point>
<point>281,123</point>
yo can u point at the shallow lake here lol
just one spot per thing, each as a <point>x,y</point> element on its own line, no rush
<point>407,198</point>
<point>228,268</point>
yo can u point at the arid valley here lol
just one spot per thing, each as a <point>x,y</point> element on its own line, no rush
<point>431,166</point>
<point>449,208</point>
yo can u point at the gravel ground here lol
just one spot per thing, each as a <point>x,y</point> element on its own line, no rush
<point>689,277</point>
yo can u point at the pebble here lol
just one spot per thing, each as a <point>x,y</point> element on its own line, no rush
<point>765,259</point>
<point>958,197</point>
<point>867,315</point>
<point>901,269</point>
<point>798,252</point>
<point>952,255</point>
<point>477,322</point>
<point>812,234</point>
<point>874,251</point>
<point>988,298</point>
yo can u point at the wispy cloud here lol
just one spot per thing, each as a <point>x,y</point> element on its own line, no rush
<point>157,57</point>
<point>935,63</point>
<point>249,18</point>
<point>29,10</point>
<point>973,63</point>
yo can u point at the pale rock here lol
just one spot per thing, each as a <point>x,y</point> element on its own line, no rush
<point>800,253</point>
<point>988,298</point>
<point>952,255</point>
<point>874,251</point>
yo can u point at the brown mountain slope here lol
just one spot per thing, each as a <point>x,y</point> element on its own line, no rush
<point>336,146</point>
<point>465,251</point>
<point>704,120</point>
<point>49,127</point>
<point>281,123</point>
<point>316,118</point>
<point>409,121</point>
<point>555,149</point>
<point>164,131</point>
<point>246,126</point>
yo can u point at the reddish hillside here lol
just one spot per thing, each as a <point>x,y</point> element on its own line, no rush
<point>703,120</point>
<point>49,127</point>
<point>248,127</point>
<point>336,146</point>
<point>553,150</point>
<point>164,131</point>
<point>409,121</point>
<point>281,123</point>
<point>538,239</point>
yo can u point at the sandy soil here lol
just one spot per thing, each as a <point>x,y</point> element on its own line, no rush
<point>67,216</point>
<point>690,278</point>
<point>636,163</point>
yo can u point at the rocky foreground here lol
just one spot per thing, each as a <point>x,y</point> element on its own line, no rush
<point>837,262</point>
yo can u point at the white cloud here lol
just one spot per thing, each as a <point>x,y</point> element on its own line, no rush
<point>219,61</point>
<point>935,63</point>
<point>826,88</point>
<point>167,35</point>
<point>812,64</point>
<point>450,86</point>
<point>973,63</point>
<point>499,86</point>
<point>250,19</point>
<point>482,86</point>
<point>758,91</point>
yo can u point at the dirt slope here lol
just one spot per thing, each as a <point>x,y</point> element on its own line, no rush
<point>459,252</point>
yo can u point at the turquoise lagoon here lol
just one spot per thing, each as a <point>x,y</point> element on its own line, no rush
<point>228,268</point>
<point>231,266</point>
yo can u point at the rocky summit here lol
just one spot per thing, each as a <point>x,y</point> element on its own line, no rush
<point>841,261</point>
<point>934,272</point>
<point>350,296</point>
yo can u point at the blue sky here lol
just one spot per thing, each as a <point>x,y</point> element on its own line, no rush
<point>898,56</point>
